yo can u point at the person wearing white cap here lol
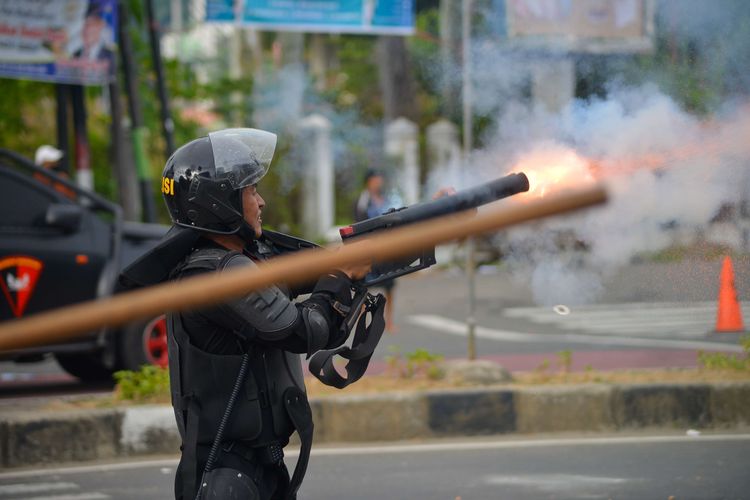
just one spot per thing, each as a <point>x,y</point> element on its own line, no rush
<point>48,157</point>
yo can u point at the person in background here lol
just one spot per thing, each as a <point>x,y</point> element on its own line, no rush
<point>48,157</point>
<point>374,201</point>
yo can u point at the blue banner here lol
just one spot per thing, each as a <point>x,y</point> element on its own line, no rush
<point>65,41</point>
<point>377,17</point>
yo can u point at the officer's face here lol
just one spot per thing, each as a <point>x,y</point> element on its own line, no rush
<point>252,206</point>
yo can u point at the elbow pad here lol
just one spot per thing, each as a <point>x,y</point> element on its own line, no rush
<point>317,329</point>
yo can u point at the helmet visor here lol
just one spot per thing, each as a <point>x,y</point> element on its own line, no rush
<point>242,155</point>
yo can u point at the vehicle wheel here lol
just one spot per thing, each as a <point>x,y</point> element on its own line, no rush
<point>144,343</point>
<point>86,366</point>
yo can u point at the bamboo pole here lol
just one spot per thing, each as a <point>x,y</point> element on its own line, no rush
<point>66,323</point>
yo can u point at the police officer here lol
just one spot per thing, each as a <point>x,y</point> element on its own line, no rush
<point>235,370</point>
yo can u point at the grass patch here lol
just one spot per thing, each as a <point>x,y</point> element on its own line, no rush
<point>727,362</point>
<point>677,253</point>
<point>148,385</point>
<point>420,364</point>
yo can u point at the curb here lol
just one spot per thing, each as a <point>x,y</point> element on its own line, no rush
<point>36,437</point>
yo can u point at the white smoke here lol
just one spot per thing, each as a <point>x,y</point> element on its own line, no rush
<point>668,173</point>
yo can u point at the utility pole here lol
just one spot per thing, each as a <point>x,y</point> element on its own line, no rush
<point>84,175</point>
<point>127,184</point>
<point>62,97</point>
<point>167,124</point>
<point>137,129</point>
<point>467,146</point>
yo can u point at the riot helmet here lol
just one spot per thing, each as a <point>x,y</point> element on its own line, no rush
<point>202,180</point>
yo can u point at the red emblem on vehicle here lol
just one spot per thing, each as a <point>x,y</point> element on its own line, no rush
<point>18,277</point>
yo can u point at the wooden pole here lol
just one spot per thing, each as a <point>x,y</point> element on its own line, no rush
<point>66,323</point>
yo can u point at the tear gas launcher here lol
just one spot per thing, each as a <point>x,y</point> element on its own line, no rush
<point>463,200</point>
<point>365,304</point>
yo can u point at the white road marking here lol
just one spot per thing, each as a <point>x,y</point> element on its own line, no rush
<point>82,496</point>
<point>26,488</point>
<point>459,328</point>
<point>554,483</point>
<point>85,469</point>
<point>640,307</point>
<point>522,443</point>
<point>681,319</point>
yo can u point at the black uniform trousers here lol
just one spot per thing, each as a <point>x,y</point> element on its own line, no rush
<point>271,480</point>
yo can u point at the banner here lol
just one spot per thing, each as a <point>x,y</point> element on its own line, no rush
<point>582,18</point>
<point>376,17</point>
<point>65,41</point>
<point>585,26</point>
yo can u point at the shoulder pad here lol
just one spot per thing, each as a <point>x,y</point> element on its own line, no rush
<point>209,259</point>
<point>155,265</point>
<point>284,243</point>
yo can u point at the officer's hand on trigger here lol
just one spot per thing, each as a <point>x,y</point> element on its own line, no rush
<point>357,271</point>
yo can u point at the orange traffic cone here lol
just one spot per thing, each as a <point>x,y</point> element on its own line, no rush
<point>729,317</point>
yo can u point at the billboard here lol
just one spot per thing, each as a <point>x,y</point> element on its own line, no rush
<point>585,25</point>
<point>64,41</point>
<point>377,17</point>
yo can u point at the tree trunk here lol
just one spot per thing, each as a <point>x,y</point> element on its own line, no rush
<point>450,55</point>
<point>397,82</point>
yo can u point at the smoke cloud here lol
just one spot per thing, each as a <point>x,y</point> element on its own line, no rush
<point>669,172</point>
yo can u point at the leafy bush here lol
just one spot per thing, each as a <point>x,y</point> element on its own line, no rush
<point>150,384</point>
<point>420,363</point>
<point>723,361</point>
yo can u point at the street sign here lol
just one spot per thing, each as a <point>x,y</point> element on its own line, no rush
<point>372,17</point>
<point>64,41</point>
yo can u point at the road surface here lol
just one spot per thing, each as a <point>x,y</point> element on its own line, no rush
<point>676,467</point>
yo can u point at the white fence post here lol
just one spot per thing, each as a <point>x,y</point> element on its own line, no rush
<point>402,147</point>
<point>318,196</point>
<point>443,149</point>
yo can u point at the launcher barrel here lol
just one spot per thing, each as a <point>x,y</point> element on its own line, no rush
<point>463,200</point>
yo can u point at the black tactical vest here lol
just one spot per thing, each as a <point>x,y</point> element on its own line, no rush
<point>201,382</point>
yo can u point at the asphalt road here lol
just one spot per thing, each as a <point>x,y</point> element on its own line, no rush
<point>675,467</point>
<point>647,315</point>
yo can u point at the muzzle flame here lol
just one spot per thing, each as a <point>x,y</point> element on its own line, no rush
<point>555,169</point>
